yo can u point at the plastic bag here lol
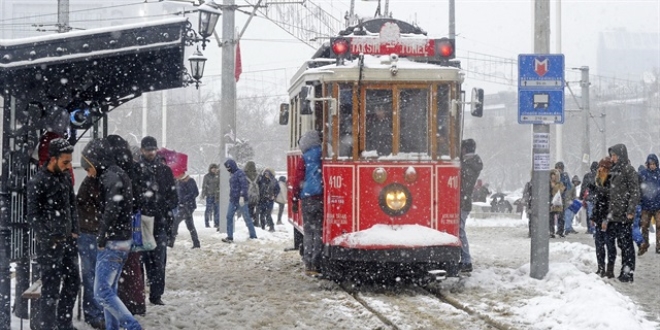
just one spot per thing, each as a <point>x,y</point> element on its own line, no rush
<point>556,200</point>
<point>148,241</point>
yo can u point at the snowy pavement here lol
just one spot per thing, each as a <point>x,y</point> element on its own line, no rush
<point>255,284</point>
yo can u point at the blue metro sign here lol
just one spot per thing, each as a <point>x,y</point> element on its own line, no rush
<point>541,89</point>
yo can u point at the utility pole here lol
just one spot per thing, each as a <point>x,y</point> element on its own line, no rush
<point>540,245</point>
<point>559,129</point>
<point>452,19</point>
<point>63,16</point>
<point>228,102</point>
<point>586,150</point>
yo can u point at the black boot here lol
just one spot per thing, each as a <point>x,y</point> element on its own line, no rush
<point>610,271</point>
<point>601,271</point>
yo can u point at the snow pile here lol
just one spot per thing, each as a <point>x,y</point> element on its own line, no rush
<point>395,235</point>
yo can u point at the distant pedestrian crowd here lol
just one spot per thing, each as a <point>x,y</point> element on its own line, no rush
<point>620,204</point>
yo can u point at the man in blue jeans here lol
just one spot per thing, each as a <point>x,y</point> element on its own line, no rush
<point>471,167</point>
<point>238,195</point>
<point>115,233</point>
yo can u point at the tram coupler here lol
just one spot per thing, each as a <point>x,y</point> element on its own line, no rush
<point>438,274</point>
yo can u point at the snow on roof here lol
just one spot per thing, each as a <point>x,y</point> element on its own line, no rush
<point>395,235</point>
<point>72,34</point>
<point>384,62</point>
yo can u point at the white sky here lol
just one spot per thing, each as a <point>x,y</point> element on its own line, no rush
<point>500,28</point>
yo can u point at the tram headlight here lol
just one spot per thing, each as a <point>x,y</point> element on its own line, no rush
<point>395,199</point>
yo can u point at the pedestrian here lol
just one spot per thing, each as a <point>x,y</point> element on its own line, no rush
<point>268,190</point>
<point>649,180</point>
<point>281,198</point>
<point>527,201</point>
<point>250,170</point>
<point>115,235</point>
<point>600,196</point>
<point>211,192</point>
<point>586,192</point>
<point>471,167</point>
<point>158,198</point>
<point>556,203</point>
<point>186,189</point>
<point>238,195</point>
<point>569,211</point>
<point>89,208</point>
<point>130,288</point>
<point>308,189</point>
<point>624,197</point>
<point>52,214</point>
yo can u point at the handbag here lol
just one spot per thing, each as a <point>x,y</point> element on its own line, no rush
<point>556,200</point>
<point>143,226</point>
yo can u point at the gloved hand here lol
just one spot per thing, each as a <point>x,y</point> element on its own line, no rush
<point>294,206</point>
<point>241,201</point>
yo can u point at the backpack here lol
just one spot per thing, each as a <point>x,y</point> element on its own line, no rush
<point>253,192</point>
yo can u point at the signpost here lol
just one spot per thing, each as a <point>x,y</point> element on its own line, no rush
<point>541,89</point>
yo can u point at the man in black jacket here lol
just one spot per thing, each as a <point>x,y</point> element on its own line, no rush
<point>471,167</point>
<point>624,197</point>
<point>51,211</point>
<point>158,196</point>
<point>115,232</point>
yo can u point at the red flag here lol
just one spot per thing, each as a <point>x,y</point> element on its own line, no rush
<point>238,69</point>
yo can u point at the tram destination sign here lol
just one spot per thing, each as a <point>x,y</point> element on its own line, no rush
<point>541,89</point>
<point>401,46</point>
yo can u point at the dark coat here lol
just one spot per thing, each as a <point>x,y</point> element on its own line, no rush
<point>158,191</point>
<point>471,167</point>
<point>649,182</point>
<point>187,190</point>
<point>588,182</point>
<point>238,184</point>
<point>116,195</point>
<point>600,193</point>
<point>211,186</point>
<point>624,186</point>
<point>89,205</point>
<point>51,206</point>
<point>268,188</point>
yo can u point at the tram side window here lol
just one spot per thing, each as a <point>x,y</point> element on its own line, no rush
<point>413,114</point>
<point>345,121</point>
<point>442,133</point>
<point>379,122</point>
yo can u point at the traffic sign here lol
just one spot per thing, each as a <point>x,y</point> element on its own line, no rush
<point>541,89</point>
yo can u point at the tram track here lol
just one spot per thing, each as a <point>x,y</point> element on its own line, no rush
<point>420,308</point>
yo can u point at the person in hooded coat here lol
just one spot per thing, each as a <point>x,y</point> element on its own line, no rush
<point>268,191</point>
<point>238,196</point>
<point>624,197</point>
<point>600,193</point>
<point>556,204</point>
<point>251,174</point>
<point>308,188</point>
<point>471,167</point>
<point>649,180</point>
<point>52,214</point>
<point>115,235</point>
<point>211,192</point>
<point>187,190</point>
<point>281,198</point>
<point>131,284</point>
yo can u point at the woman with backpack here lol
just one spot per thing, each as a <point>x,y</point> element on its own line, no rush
<point>268,190</point>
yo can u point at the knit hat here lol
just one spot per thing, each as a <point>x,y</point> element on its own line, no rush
<point>149,143</point>
<point>605,163</point>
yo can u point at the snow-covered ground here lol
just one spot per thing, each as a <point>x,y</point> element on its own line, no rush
<point>255,284</point>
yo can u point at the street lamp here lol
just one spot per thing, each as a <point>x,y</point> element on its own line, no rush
<point>197,62</point>
<point>209,13</point>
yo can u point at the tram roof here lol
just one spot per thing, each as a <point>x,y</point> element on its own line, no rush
<point>376,69</point>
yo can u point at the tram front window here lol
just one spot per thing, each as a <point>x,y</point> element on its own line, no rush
<point>379,122</point>
<point>413,106</point>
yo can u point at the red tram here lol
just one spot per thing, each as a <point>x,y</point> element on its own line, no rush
<point>389,103</point>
